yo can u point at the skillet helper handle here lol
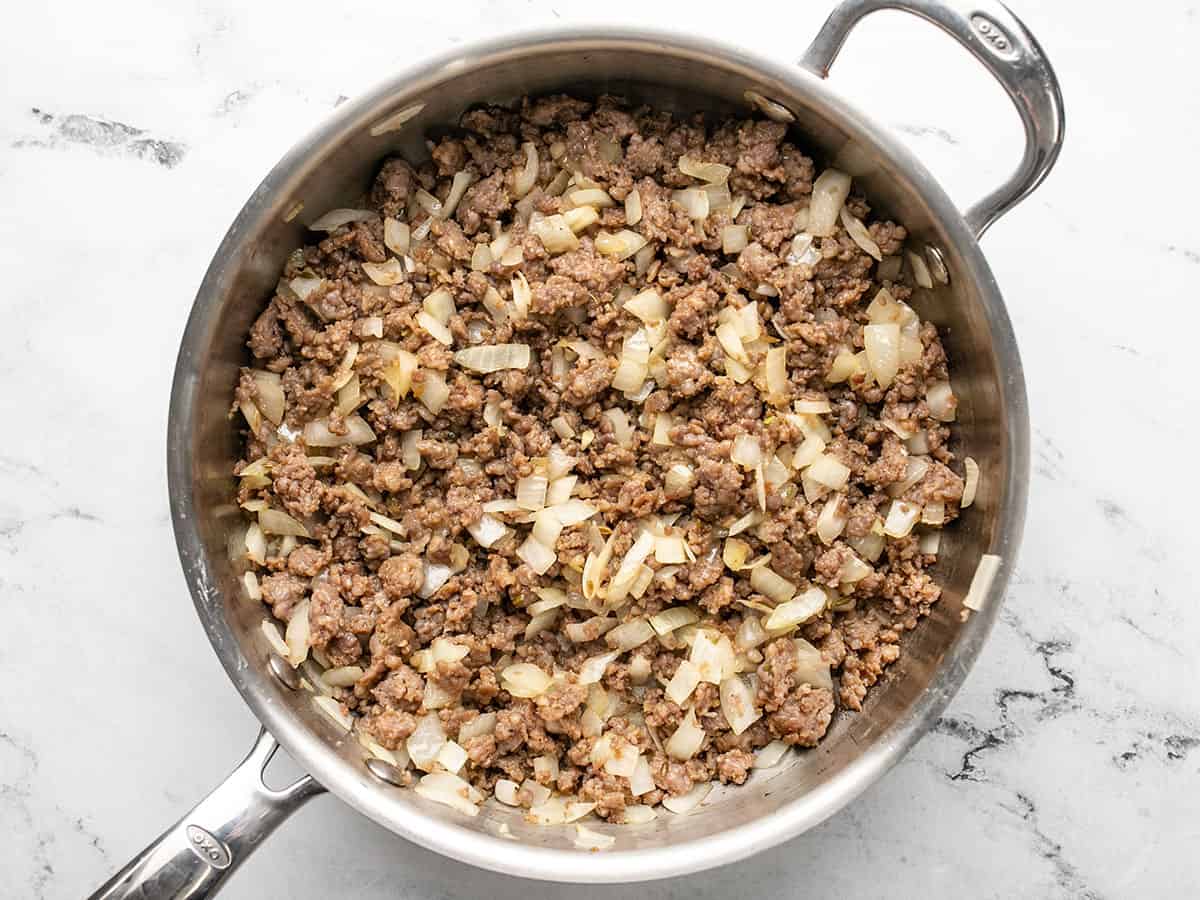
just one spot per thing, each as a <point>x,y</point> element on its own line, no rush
<point>999,40</point>
<point>193,857</point>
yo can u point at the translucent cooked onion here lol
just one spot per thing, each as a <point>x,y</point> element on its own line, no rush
<point>623,580</point>
<point>712,653</point>
<point>336,218</point>
<point>735,238</point>
<point>525,680</point>
<point>623,761</point>
<point>749,520</point>
<point>901,518</point>
<point>275,521</point>
<point>853,570</point>
<point>481,258</point>
<point>622,245</point>
<point>679,479</point>
<point>450,790</point>
<point>919,269</point>
<point>639,815</point>
<point>505,791</point>
<point>981,581</point>
<point>546,528</point>
<point>270,399</point>
<point>434,328</point>
<point>458,187</point>
<point>771,584</point>
<point>572,512</point>
<point>811,667</point>
<point>522,295</point>
<point>803,251</point>
<point>633,207</point>
<point>649,306</point>
<point>385,273</point>
<point>399,370</point>
<point>451,757</point>
<point>488,531</point>
<point>297,634</point>
<point>735,553</point>
<point>317,433</point>
<point>559,491</point>
<point>527,177</point>
<point>859,234</point>
<point>883,351</point>
<point>771,755</point>
<point>750,633</point>
<point>593,667</point>
<point>746,452</point>
<point>796,611</point>
<point>554,232</point>
<point>813,407</point>
<point>970,483</point>
<point>256,544</point>
<point>831,521</point>
<point>731,342</point>
<point>594,197</point>
<point>397,236</point>
<point>580,218</point>
<point>433,391</point>
<point>693,201</point>
<point>643,258</point>
<point>435,575</point>
<point>271,632</point>
<point>671,550</point>
<point>737,704</point>
<point>663,423</point>
<point>489,358</point>
<point>687,739</point>
<point>829,193</point>
<point>718,197</point>
<point>683,804</point>
<point>828,471</point>
<point>674,617</point>
<point>630,634</point>
<point>775,375</point>
<point>425,741</point>
<point>712,172</point>
<point>537,555</point>
<point>846,365</point>
<point>342,676</point>
<point>562,427</point>
<point>621,427</point>
<point>531,491</point>
<point>683,682</point>
<point>409,454</point>
<point>941,401</point>
<point>915,468</point>
<point>349,396</point>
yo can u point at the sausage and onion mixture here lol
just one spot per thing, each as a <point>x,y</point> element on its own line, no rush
<point>596,459</point>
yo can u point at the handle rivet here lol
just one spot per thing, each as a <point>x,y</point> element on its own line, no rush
<point>937,264</point>
<point>283,672</point>
<point>385,771</point>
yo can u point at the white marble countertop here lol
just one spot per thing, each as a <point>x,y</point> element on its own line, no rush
<point>129,137</point>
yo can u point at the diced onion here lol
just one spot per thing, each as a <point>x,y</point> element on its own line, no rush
<point>587,839</point>
<point>342,676</point>
<point>735,238</point>
<point>562,427</point>
<point>580,218</point>
<point>531,491</point>
<point>537,555</point>
<point>270,399</point>
<point>771,755</point>
<point>797,611</point>
<point>524,680</point>
<point>527,177</point>
<point>481,258</point>
<point>336,218</point>
<point>883,351</point>
<point>297,634</point>
<point>433,391</point>
<point>803,251</point>
<point>458,187</point>
<point>731,342</point>
<point>811,667</point>
<point>317,433</point>
<point>593,667</point>
<point>737,704</point>
<point>622,245</point>
<point>687,739</point>
<point>930,542</point>
<point>555,234</point>
<point>451,757</point>
<point>435,576</point>
<point>970,484</point>
<point>572,512</point>
<point>829,193</point>
<point>853,570</point>
<point>595,197</point>
<point>674,617</point>
<point>859,234</point>
<point>671,550</point>
<point>683,682</point>
<point>385,273</point>
<point>712,653</point>
<point>629,635</point>
<point>633,207</point>
<point>750,633</point>
<point>693,201</point>
<point>450,790</point>
<point>831,521</point>
<point>919,269</point>
<point>506,792</point>
<point>426,741</point>
<point>522,295</point>
<point>396,236</point>
<point>981,581</point>
<point>488,530</point>
<point>829,472</point>
<point>256,544</point>
<point>771,584</point>
<point>712,172</point>
<point>274,521</point>
<point>622,429</point>
<point>628,571</point>
<point>489,358</point>
<point>746,452</point>
<point>685,803</point>
<point>942,403</point>
<point>901,518</point>
<point>679,479</point>
<point>434,328</point>
<point>749,520</point>
<point>639,815</point>
<point>649,306</point>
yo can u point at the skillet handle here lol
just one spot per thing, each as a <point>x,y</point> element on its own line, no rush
<point>999,40</point>
<point>193,857</point>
